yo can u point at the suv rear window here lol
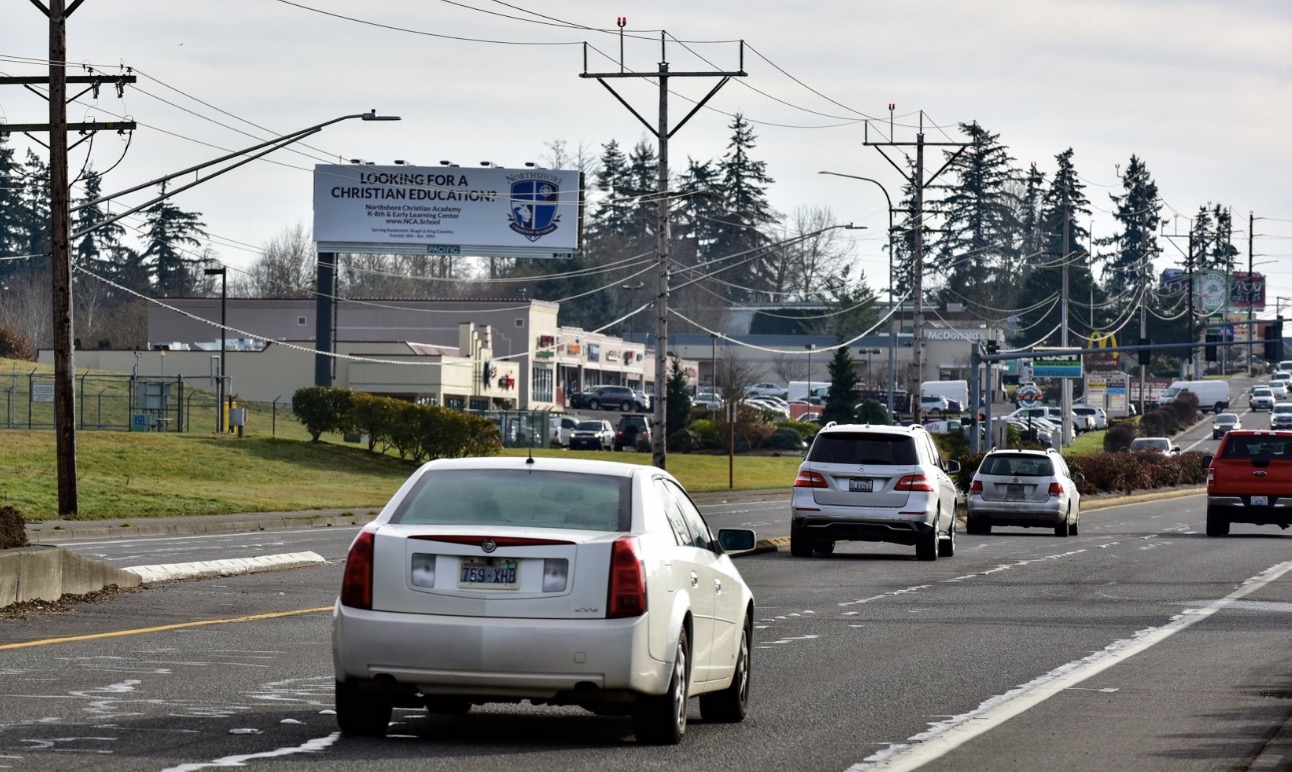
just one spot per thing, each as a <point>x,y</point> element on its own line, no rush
<point>1018,466</point>
<point>1257,447</point>
<point>863,448</point>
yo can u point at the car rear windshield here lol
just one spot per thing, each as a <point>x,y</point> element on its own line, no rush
<point>862,448</point>
<point>1018,466</point>
<point>1258,447</point>
<point>591,426</point>
<point>536,499</point>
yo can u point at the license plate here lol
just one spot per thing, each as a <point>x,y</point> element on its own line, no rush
<point>1260,501</point>
<point>1013,491</point>
<point>489,573</point>
<point>860,485</point>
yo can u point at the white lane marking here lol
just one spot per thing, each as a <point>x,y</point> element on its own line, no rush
<point>945,736</point>
<point>890,594</point>
<point>317,745</point>
<point>319,531</point>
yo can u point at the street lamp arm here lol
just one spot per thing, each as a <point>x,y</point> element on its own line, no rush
<point>276,143</point>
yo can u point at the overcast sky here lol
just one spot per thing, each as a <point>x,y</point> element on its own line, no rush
<point>1197,89</point>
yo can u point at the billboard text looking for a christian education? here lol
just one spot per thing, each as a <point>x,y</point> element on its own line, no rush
<point>447,210</point>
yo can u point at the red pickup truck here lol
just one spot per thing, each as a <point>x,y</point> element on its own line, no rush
<point>1250,481</point>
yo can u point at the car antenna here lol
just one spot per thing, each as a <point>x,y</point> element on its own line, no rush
<point>530,460</point>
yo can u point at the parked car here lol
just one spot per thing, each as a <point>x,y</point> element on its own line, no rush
<point>934,405</point>
<point>708,399</point>
<point>1280,417</point>
<point>611,398</point>
<point>1249,480</point>
<point>1097,416</point>
<point>1227,422</point>
<point>1156,444</point>
<point>633,431</point>
<point>874,483</point>
<point>592,435</point>
<point>767,390</point>
<point>645,402</point>
<point>1027,488</point>
<point>1033,432</point>
<point>508,565</point>
<point>1260,398</point>
<point>561,426</point>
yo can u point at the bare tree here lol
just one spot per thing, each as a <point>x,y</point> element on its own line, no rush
<point>789,367</point>
<point>26,308</point>
<point>285,269</point>
<point>815,253</point>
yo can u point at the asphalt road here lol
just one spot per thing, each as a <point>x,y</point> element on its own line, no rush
<point>1141,644</point>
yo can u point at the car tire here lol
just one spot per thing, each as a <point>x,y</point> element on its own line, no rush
<point>800,547</point>
<point>926,545</point>
<point>1217,524</point>
<point>361,712</point>
<point>447,706</point>
<point>662,720</point>
<point>731,705</point>
<point>626,407</point>
<point>947,546</point>
<point>593,404</point>
<point>823,547</point>
<point>1072,530</point>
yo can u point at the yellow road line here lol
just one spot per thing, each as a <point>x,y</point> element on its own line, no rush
<point>163,628</point>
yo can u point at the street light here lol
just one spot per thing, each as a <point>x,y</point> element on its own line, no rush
<point>892,338</point>
<point>810,348</point>
<point>223,273</point>
<point>868,352</point>
<point>713,364</point>
<point>632,300</point>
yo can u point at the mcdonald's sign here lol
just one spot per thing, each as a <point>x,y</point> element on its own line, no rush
<point>1110,360</point>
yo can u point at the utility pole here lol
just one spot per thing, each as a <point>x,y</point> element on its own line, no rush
<point>917,182</point>
<point>1251,294</point>
<point>662,134</point>
<point>1065,395</point>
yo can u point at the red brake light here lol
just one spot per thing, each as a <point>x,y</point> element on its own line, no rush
<point>1056,489</point>
<point>627,596</point>
<point>810,480</point>
<point>914,482</point>
<point>975,486</point>
<point>356,584</point>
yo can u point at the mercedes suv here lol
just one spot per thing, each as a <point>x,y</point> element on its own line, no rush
<point>874,483</point>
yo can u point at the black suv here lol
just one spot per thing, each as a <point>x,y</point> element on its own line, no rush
<point>609,398</point>
<point>633,431</point>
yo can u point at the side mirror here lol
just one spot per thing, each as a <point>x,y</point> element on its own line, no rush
<point>1078,478</point>
<point>736,539</point>
<point>1175,448</point>
<point>953,467</point>
<point>1206,461</point>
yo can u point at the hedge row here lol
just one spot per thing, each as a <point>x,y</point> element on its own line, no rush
<point>415,431</point>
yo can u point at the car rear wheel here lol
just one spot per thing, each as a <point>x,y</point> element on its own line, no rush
<point>1062,529</point>
<point>627,407</point>
<point>947,546</point>
<point>593,404</point>
<point>361,712</point>
<point>824,547</point>
<point>800,547</point>
<point>730,705</point>
<point>662,720</point>
<point>1217,524</point>
<point>926,545</point>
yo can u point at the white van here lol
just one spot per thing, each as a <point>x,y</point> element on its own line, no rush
<point>1212,396</point>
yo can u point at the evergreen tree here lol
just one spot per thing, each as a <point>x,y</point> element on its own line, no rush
<point>610,216</point>
<point>1033,234</point>
<point>12,229</point>
<point>904,259</point>
<point>1217,252</point>
<point>849,306</point>
<point>744,184</point>
<point>33,214</point>
<point>844,392</point>
<point>96,251</point>
<point>699,207</point>
<point>1135,246</point>
<point>170,230</point>
<point>976,254</point>
<point>643,184</point>
<point>679,400</point>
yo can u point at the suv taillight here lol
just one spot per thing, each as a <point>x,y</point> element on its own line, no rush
<point>1056,489</point>
<point>914,482</point>
<point>975,486</point>
<point>627,596</point>
<point>810,480</point>
<point>356,583</point>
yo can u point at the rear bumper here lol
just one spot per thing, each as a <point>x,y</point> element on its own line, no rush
<point>496,658</point>
<point>1019,513</point>
<point>889,530</point>
<point>1238,509</point>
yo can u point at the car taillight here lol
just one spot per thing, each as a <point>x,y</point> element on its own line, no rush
<point>975,486</point>
<point>914,482</point>
<point>356,584</point>
<point>810,480</point>
<point>627,580</point>
<point>1056,489</point>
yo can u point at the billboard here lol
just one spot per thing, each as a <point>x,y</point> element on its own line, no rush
<point>447,210</point>
<point>1210,287</point>
<point>1247,290</point>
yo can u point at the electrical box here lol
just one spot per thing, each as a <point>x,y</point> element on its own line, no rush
<point>238,416</point>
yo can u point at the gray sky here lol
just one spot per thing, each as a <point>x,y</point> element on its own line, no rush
<point>1198,89</point>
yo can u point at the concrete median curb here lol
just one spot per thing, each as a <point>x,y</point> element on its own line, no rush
<point>48,573</point>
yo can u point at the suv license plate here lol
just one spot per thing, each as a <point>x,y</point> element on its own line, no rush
<point>489,573</point>
<point>1260,501</point>
<point>856,485</point>
<point>1013,492</point>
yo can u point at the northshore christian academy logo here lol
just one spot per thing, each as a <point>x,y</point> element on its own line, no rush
<point>534,206</point>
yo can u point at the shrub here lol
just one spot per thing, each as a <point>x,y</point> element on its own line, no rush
<point>873,412</point>
<point>706,433</point>
<point>373,416</point>
<point>806,429</point>
<point>683,441</point>
<point>1118,436</point>
<point>1185,408</point>
<point>14,345</point>
<point>13,529</point>
<point>322,409</point>
<point>1152,424</point>
<point>785,438</point>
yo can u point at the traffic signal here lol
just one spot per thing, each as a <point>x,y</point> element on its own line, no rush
<point>1274,341</point>
<point>993,347</point>
<point>1145,355</point>
<point>1212,338</point>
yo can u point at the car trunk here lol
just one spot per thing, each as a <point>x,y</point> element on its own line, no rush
<point>851,486</point>
<point>529,573</point>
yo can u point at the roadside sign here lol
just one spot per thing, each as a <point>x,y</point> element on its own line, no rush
<point>1029,396</point>
<point>1046,365</point>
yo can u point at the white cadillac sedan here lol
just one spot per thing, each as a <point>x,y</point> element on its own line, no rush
<point>558,581</point>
